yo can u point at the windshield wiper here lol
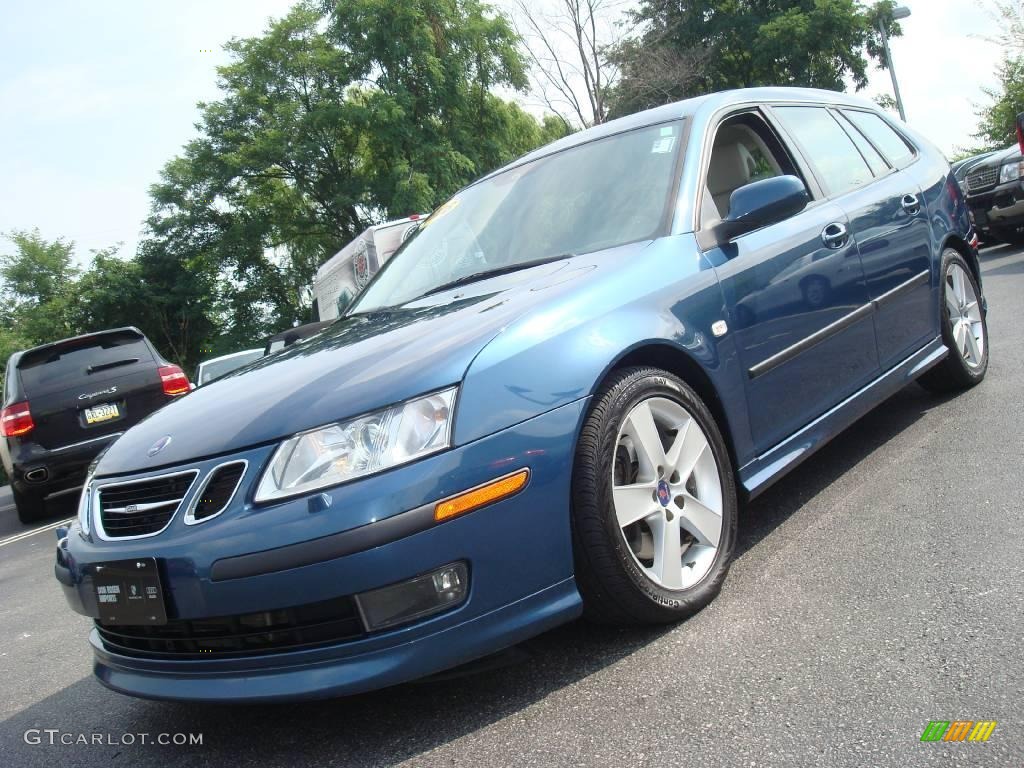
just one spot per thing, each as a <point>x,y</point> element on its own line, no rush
<point>486,273</point>
<point>114,364</point>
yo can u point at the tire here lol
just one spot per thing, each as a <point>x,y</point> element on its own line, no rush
<point>30,508</point>
<point>616,584</point>
<point>960,370</point>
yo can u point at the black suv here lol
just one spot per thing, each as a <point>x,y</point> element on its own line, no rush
<point>66,401</point>
<point>995,192</point>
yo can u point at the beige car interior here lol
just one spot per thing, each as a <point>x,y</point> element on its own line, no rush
<point>735,163</point>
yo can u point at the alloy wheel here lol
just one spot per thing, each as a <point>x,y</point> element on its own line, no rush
<point>965,316</point>
<point>667,493</point>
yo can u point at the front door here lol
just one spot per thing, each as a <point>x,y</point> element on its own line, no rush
<point>794,291</point>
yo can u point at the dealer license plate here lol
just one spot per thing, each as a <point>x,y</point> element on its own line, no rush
<point>128,592</point>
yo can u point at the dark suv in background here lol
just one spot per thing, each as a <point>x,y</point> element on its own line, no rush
<point>64,402</point>
<point>995,192</point>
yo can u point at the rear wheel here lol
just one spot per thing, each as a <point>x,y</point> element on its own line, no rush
<point>964,329</point>
<point>31,507</point>
<point>654,501</point>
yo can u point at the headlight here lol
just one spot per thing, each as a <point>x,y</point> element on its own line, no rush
<point>85,501</point>
<point>1010,172</point>
<point>358,447</point>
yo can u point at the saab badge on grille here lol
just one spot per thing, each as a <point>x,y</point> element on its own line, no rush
<point>159,445</point>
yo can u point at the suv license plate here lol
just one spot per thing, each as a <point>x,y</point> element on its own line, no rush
<point>128,592</point>
<point>102,412</point>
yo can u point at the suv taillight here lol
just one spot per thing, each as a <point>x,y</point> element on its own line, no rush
<point>16,420</point>
<point>174,380</point>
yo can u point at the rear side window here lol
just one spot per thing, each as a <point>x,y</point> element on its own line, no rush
<point>827,146</point>
<point>93,359</point>
<point>882,135</point>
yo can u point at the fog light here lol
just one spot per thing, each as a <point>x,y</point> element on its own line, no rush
<point>416,598</point>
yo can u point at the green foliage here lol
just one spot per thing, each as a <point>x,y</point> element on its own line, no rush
<point>885,101</point>
<point>37,286</point>
<point>721,44</point>
<point>997,121</point>
<point>341,115</point>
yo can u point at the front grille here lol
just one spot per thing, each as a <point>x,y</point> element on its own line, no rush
<point>286,629</point>
<point>982,179</point>
<point>142,507</point>
<point>218,491</point>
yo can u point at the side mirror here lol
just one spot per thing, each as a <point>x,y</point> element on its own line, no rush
<point>762,203</point>
<point>1020,131</point>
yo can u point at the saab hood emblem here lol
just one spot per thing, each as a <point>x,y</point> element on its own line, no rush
<point>159,445</point>
<point>91,395</point>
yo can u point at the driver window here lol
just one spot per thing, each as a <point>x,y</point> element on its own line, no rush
<point>745,150</point>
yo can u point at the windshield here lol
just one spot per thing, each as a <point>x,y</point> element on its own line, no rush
<point>597,195</point>
<point>217,368</point>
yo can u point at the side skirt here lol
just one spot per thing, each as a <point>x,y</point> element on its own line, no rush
<point>759,474</point>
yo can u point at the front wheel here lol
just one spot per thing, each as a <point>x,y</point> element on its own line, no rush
<point>964,329</point>
<point>654,501</point>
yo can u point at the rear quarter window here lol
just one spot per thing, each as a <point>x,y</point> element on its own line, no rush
<point>50,370</point>
<point>893,146</point>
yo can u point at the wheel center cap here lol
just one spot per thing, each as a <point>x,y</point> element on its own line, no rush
<point>664,494</point>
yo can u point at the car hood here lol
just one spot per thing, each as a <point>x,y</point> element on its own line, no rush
<point>994,161</point>
<point>358,364</point>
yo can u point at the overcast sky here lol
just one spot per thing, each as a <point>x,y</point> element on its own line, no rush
<point>97,96</point>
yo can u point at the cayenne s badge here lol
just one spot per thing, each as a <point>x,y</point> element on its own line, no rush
<point>91,395</point>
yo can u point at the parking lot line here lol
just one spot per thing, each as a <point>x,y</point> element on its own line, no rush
<point>33,532</point>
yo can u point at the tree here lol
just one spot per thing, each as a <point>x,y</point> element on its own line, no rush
<point>1009,16</point>
<point>567,44</point>
<point>997,126</point>
<point>37,289</point>
<point>720,44</point>
<point>339,116</point>
<point>997,119</point>
<point>110,294</point>
<point>885,101</point>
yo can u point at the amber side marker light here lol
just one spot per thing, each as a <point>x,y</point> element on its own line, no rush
<point>482,495</point>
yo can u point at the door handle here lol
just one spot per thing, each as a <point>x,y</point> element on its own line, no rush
<point>911,205</point>
<point>835,236</point>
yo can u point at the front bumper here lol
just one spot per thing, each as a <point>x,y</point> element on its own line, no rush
<point>1001,208</point>
<point>519,553</point>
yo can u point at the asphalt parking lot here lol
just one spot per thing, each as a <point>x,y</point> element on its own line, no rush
<point>876,588</point>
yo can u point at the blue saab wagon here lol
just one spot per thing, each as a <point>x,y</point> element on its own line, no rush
<point>548,403</point>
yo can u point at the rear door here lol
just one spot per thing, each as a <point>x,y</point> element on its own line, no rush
<point>90,387</point>
<point>890,223</point>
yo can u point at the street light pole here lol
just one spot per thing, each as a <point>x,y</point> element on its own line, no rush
<point>899,12</point>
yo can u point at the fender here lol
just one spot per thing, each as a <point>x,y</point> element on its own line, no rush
<point>562,351</point>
